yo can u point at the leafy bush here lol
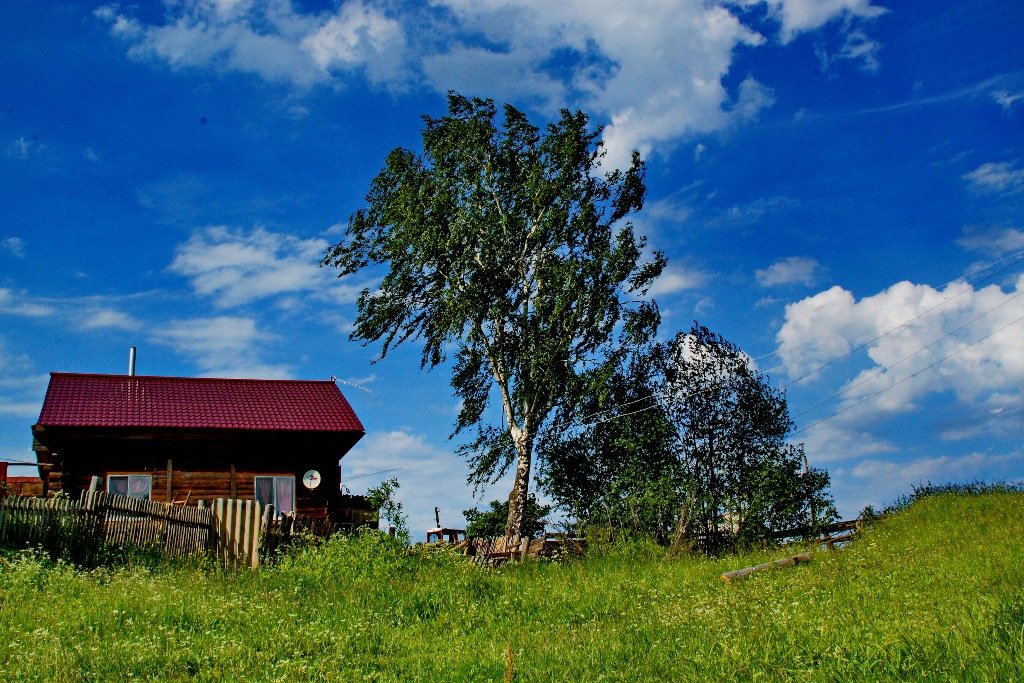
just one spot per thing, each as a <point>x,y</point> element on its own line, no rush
<point>491,523</point>
<point>970,488</point>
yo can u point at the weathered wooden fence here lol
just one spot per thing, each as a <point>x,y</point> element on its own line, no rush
<point>494,551</point>
<point>175,530</point>
<point>837,533</point>
<point>82,531</point>
<point>57,525</point>
<point>283,531</point>
<point>237,525</point>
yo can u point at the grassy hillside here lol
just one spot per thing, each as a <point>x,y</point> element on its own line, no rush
<point>933,593</point>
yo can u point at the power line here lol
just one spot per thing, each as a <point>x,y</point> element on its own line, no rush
<point>908,377</point>
<point>882,369</point>
<point>963,291</point>
<point>589,420</point>
<point>863,345</point>
<point>373,474</point>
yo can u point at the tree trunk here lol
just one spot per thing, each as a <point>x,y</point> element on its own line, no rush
<point>521,486</point>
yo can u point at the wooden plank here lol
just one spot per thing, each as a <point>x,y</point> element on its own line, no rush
<point>740,574</point>
<point>170,476</point>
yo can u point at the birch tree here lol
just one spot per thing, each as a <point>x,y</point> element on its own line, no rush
<point>508,248</point>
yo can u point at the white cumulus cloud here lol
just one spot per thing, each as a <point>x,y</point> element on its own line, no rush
<point>913,320</point>
<point>269,39</point>
<point>654,70</point>
<point>800,16</point>
<point>676,279</point>
<point>901,347</point>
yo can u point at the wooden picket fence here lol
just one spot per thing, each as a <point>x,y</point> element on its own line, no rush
<point>84,531</point>
<point>237,525</point>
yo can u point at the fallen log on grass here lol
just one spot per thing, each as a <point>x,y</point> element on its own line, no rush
<point>740,574</point>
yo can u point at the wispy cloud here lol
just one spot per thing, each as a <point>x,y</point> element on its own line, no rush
<point>428,475</point>
<point>223,346</point>
<point>790,270</point>
<point>238,267</point>
<point>857,48</point>
<point>21,304</point>
<point>23,148</point>
<point>753,212</point>
<point>1008,100</point>
<point>107,318</point>
<point>21,391</point>
<point>996,177</point>
<point>992,241</point>
<point>14,246</point>
<point>880,481</point>
<point>979,89</point>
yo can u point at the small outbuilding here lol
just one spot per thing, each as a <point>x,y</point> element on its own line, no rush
<point>184,439</point>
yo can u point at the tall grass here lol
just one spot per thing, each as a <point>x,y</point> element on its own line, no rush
<point>935,592</point>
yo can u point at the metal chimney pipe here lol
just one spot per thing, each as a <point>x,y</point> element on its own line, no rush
<point>131,361</point>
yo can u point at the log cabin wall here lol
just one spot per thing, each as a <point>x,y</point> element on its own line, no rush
<point>190,466</point>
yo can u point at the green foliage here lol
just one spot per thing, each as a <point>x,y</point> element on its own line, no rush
<point>969,488</point>
<point>682,441</point>
<point>491,523</point>
<point>508,247</point>
<point>619,470</point>
<point>932,593</point>
<point>388,507</point>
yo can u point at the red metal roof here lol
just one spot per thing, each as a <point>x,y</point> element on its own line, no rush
<point>81,400</point>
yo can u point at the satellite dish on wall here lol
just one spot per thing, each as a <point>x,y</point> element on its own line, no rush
<point>311,479</point>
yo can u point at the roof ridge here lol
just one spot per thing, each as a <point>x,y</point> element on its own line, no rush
<point>100,400</point>
<point>192,379</point>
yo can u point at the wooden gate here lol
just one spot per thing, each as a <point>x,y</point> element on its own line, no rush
<point>238,525</point>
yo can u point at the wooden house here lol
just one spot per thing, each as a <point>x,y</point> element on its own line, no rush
<point>21,486</point>
<point>180,439</point>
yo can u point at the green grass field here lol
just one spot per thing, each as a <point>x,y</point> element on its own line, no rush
<point>935,592</point>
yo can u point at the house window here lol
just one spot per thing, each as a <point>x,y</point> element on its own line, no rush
<point>276,491</point>
<point>134,485</point>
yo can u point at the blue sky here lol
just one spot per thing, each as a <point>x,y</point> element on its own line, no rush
<point>838,184</point>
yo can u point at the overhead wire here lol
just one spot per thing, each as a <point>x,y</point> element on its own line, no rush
<point>887,368</point>
<point>1018,255</point>
<point>862,345</point>
<point>908,377</point>
<point>612,411</point>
